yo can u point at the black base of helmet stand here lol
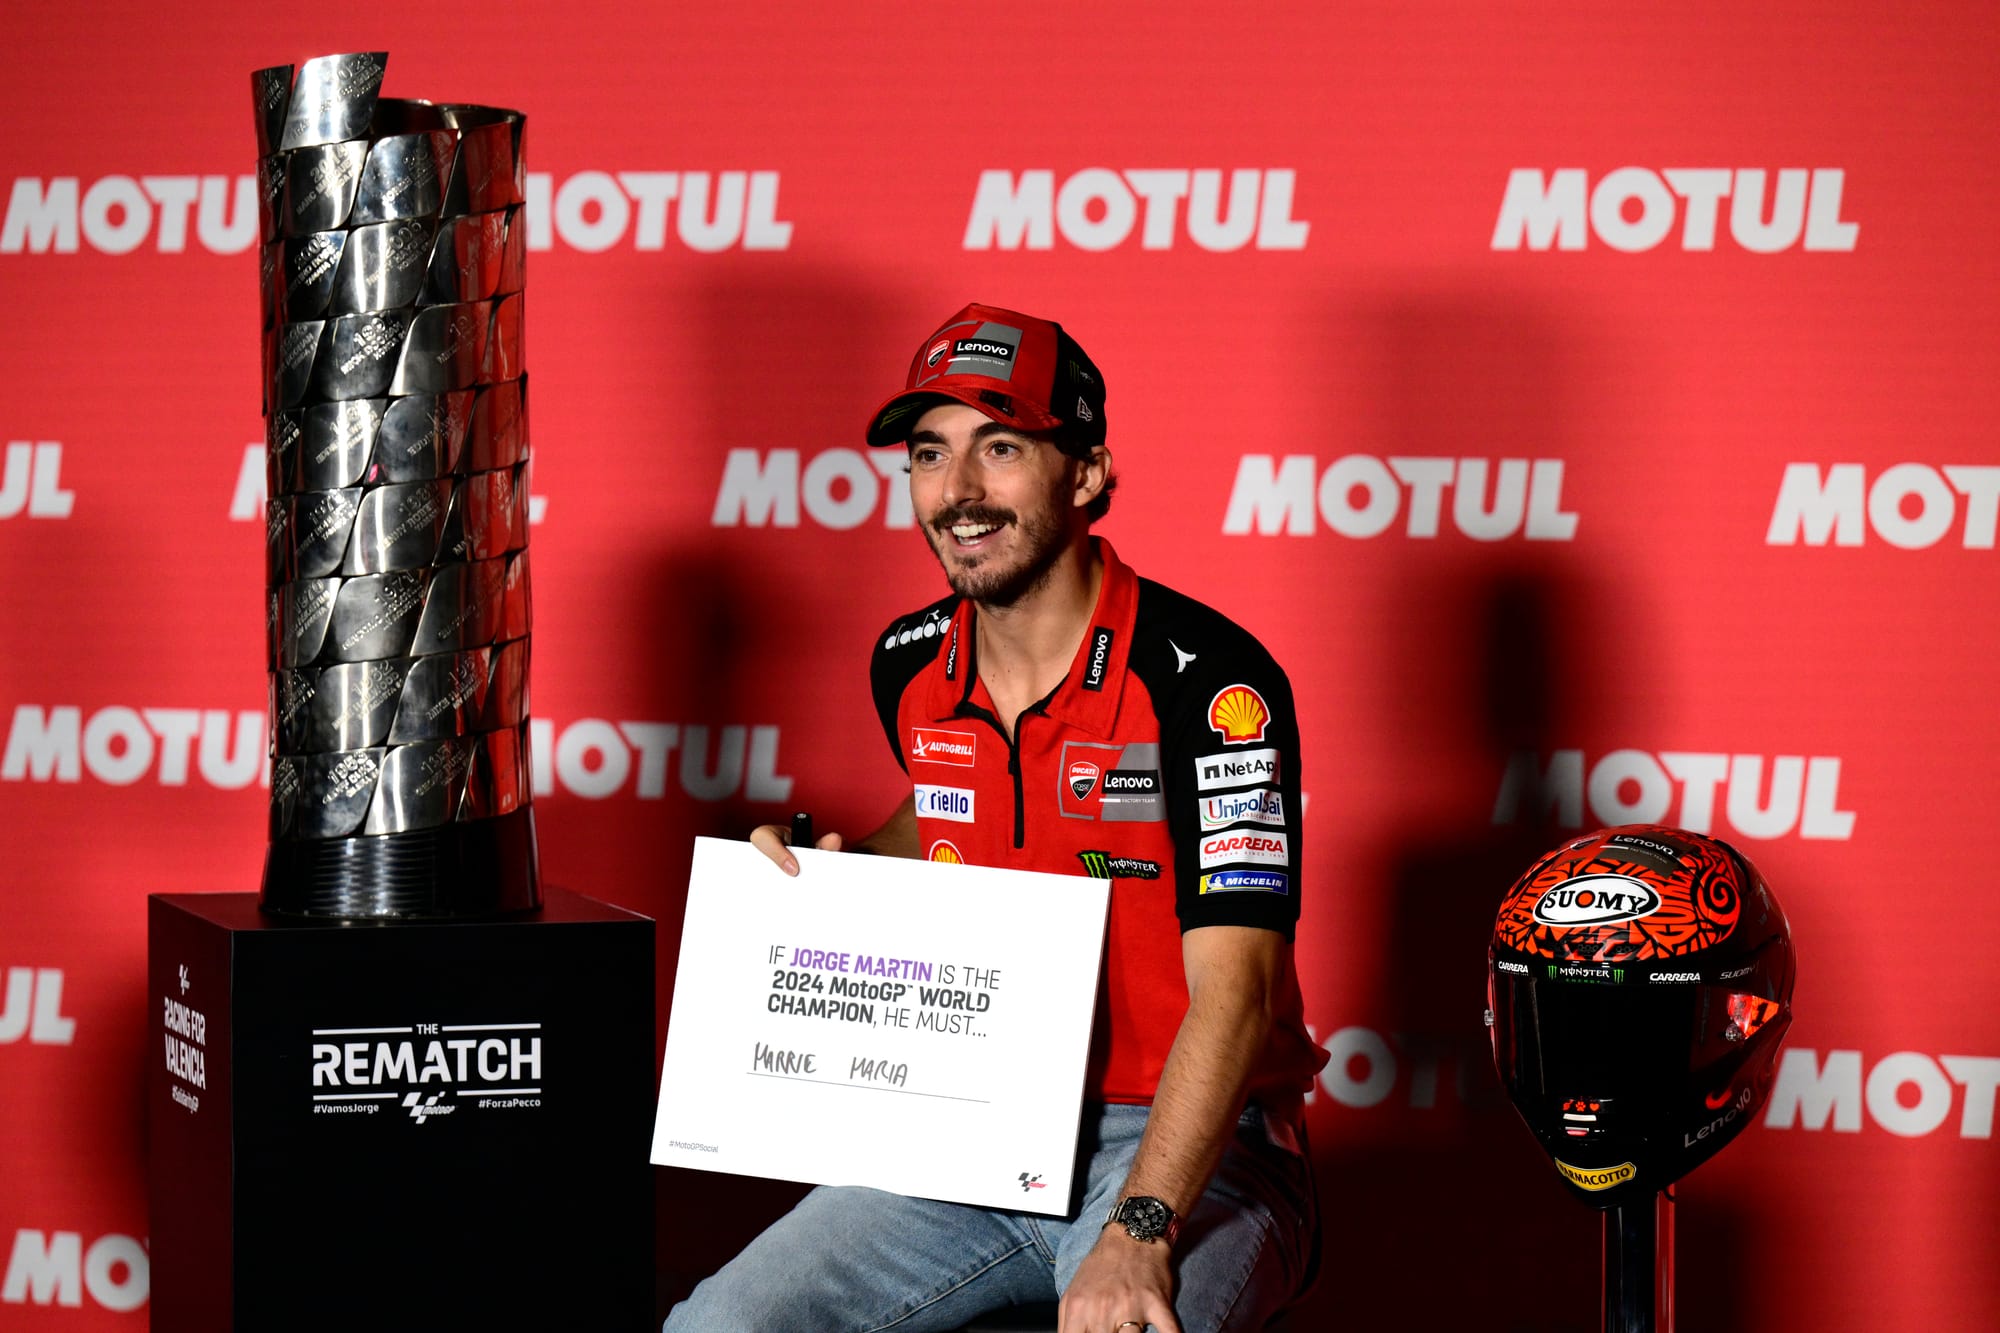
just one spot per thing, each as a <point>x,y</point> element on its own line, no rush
<point>1639,1267</point>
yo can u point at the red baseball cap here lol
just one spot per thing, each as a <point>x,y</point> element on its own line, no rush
<point>1017,369</point>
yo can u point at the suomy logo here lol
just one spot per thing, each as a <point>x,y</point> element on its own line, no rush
<point>1596,900</point>
<point>1634,209</point>
<point>1097,209</point>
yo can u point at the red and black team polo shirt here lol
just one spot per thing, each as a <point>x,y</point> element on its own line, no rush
<point>1167,761</point>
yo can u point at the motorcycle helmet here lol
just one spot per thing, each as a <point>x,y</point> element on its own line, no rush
<point>1639,983</point>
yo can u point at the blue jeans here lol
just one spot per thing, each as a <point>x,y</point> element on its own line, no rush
<point>854,1260</point>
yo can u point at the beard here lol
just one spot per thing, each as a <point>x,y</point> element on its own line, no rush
<point>997,580</point>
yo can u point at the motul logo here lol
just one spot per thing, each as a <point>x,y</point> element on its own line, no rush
<point>1362,496</point>
<point>598,210</point>
<point>1634,209</point>
<point>1098,209</point>
<point>120,746</point>
<point>1813,1093</point>
<point>1800,795</point>
<point>838,489</point>
<point>1909,505</point>
<point>596,760</point>
<point>31,483</point>
<point>31,1007</point>
<point>116,215</point>
<point>54,1268</point>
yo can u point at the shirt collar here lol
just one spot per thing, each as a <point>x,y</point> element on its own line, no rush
<point>1089,694</point>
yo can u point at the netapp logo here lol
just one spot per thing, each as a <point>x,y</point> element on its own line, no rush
<point>1096,209</point>
<point>595,210</point>
<point>596,759</point>
<point>838,489</point>
<point>1811,1093</point>
<point>1235,770</point>
<point>119,746</point>
<point>386,1067</point>
<point>34,1008</point>
<point>1908,506</point>
<point>1361,496</point>
<point>32,481</point>
<point>54,1268</point>
<point>1678,787</point>
<point>1632,209</point>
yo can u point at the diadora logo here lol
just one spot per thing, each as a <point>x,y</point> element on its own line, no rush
<point>32,481</point>
<point>587,211</point>
<point>1240,769</point>
<point>1098,209</point>
<point>429,1069</point>
<point>55,1268</point>
<point>917,631</point>
<point>121,746</point>
<point>1813,1093</point>
<point>943,747</point>
<point>1802,794</point>
<point>1262,806</point>
<point>596,759</point>
<point>838,489</point>
<point>1634,209</point>
<point>1361,496</point>
<point>1596,900</point>
<point>953,803</point>
<point>33,1008</point>
<point>1909,505</point>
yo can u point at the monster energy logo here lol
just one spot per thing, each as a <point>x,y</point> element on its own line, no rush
<point>1103,865</point>
<point>1570,973</point>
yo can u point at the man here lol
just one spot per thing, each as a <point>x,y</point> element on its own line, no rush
<point>1058,713</point>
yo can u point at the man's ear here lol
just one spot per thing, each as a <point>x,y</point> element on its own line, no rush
<point>1093,470</point>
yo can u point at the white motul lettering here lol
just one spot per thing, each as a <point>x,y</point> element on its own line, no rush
<point>44,1269</point>
<point>1909,505</point>
<point>839,489</point>
<point>116,214</point>
<point>175,196</point>
<point>592,778</point>
<point>246,504</point>
<point>1097,208</point>
<point>828,476</point>
<point>41,219</point>
<point>1631,209</point>
<point>1808,1093</point>
<point>226,221</point>
<point>593,211</point>
<point>1890,1076</point>
<point>1362,1069</point>
<point>756,493</point>
<point>1359,496</point>
<point>1980,1077</point>
<point>591,758</point>
<point>1635,787</point>
<point>652,191</point>
<point>32,481</point>
<point>34,1008</point>
<point>43,746</point>
<point>712,230</point>
<point>654,741</point>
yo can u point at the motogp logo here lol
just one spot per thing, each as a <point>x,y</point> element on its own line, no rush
<point>1596,900</point>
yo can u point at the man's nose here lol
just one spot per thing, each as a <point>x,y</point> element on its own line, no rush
<point>963,480</point>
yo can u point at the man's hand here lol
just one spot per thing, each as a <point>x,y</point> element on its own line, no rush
<point>775,841</point>
<point>1122,1286</point>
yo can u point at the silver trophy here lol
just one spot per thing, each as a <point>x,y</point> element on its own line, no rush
<point>396,541</point>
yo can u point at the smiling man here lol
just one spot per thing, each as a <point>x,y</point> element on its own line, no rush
<point>1059,713</point>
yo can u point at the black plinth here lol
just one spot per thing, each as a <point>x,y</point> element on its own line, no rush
<point>399,1125</point>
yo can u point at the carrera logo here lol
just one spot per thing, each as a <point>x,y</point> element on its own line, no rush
<point>943,850</point>
<point>1675,976</point>
<point>943,747</point>
<point>1596,900</point>
<point>953,803</point>
<point>1519,969</point>
<point>1596,1178</point>
<point>1083,776</point>
<point>1262,806</point>
<point>1245,881</point>
<point>1269,849</point>
<point>1235,770</point>
<point>1238,713</point>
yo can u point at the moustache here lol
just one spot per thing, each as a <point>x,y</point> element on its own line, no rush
<point>945,521</point>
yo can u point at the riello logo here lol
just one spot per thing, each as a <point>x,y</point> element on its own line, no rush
<point>1100,209</point>
<point>1909,505</point>
<point>1633,209</point>
<point>1817,1092</point>
<point>596,759</point>
<point>1362,496</point>
<point>31,483</point>
<point>706,212</point>
<point>1760,797</point>
<point>837,488</point>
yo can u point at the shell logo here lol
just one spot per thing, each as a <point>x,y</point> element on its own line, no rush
<point>942,850</point>
<point>1239,713</point>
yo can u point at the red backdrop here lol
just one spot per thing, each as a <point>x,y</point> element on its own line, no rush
<point>1600,403</point>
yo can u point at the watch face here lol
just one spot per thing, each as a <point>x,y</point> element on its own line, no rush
<point>1145,1217</point>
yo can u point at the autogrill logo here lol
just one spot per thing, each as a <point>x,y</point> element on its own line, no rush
<point>589,211</point>
<point>427,1069</point>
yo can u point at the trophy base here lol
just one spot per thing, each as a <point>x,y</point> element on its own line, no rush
<point>481,868</point>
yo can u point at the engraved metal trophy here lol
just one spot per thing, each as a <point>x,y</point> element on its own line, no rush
<point>396,420</point>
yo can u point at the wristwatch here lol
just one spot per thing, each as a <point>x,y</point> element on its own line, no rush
<point>1145,1218</point>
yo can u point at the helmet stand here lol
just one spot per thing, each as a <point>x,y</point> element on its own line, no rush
<point>1639,1266</point>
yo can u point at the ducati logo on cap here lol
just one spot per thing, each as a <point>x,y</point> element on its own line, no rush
<point>938,349</point>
